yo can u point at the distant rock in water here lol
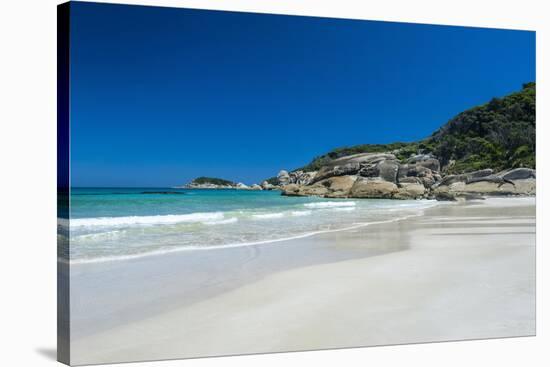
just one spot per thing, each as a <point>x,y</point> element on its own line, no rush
<point>218,183</point>
<point>210,183</point>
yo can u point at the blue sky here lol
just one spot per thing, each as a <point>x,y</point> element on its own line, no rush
<point>162,95</point>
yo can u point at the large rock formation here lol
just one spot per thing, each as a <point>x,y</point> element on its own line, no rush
<point>410,191</point>
<point>499,134</point>
<point>301,177</point>
<point>242,186</point>
<point>333,187</point>
<point>352,165</point>
<point>388,170</point>
<point>518,174</point>
<point>339,187</point>
<point>383,176</point>
<point>373,188</point>
<point>520,181</point>
<point>295,177</point>
<point>425,160</point>
<point>267,186</point>
<point>283,178</point>
<point>366,175</point>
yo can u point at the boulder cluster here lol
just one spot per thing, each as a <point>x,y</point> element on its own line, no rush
<point>478,184</point>
<point>383,176</point>
<point>241,186</point>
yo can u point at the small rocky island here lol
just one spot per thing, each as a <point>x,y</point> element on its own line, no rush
<point>488,150</point>
<point>217,183</point>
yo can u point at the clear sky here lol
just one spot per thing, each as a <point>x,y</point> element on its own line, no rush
<point>162,95</point>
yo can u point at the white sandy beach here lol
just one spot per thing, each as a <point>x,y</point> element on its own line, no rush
<point>459,271</point>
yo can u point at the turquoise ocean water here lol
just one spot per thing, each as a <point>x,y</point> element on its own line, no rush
<point>117,223</point>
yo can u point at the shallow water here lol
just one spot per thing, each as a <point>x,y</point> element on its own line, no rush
<point>110,224</point>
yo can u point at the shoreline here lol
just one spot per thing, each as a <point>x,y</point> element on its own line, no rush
<point>256,243</point>
<point>177,298</point>
<point>162,252</point>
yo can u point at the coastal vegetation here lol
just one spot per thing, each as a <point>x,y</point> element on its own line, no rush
<point>487,150</point>
<point>499,135</point>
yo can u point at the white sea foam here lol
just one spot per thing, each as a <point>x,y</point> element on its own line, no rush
<point>115,238</point>
<point>230,245</point>
<point>301,213</point>
<point>330,204</point>
<point>100,235</point>
<point>146,220</point>
<point>224,221</point>
<point>268,216</point>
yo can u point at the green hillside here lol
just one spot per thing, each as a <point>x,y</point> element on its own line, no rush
<point>499,134</point>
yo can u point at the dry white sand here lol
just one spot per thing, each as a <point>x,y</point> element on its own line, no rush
<point>460,271</point>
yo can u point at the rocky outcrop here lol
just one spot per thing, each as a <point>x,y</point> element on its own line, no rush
<point>462,190</point>
<point>367,175</point>
<point>520,181</point>
<point>450,179</point>
<point>301,177</point>
<point>334,187</point>
<point>339,170</point>
<point>383,176</point>
<point>242,186</point>
<point>283,178</point>
<point>295,177</point>
<point>410,191</point>
<point>420,172</point>
<point>267,186</point>
<point>291,190</point>
<point>339,187</point>
<point>353,165</point>
<point>373,188</point>
<point>518,174</point>
<point>388,170</point>
<point>299,190</point>
<point>425,160</point>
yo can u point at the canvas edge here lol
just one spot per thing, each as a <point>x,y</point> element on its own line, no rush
<point>63,183</point>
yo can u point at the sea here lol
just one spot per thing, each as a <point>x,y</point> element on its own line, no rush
<point>110,224</point>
